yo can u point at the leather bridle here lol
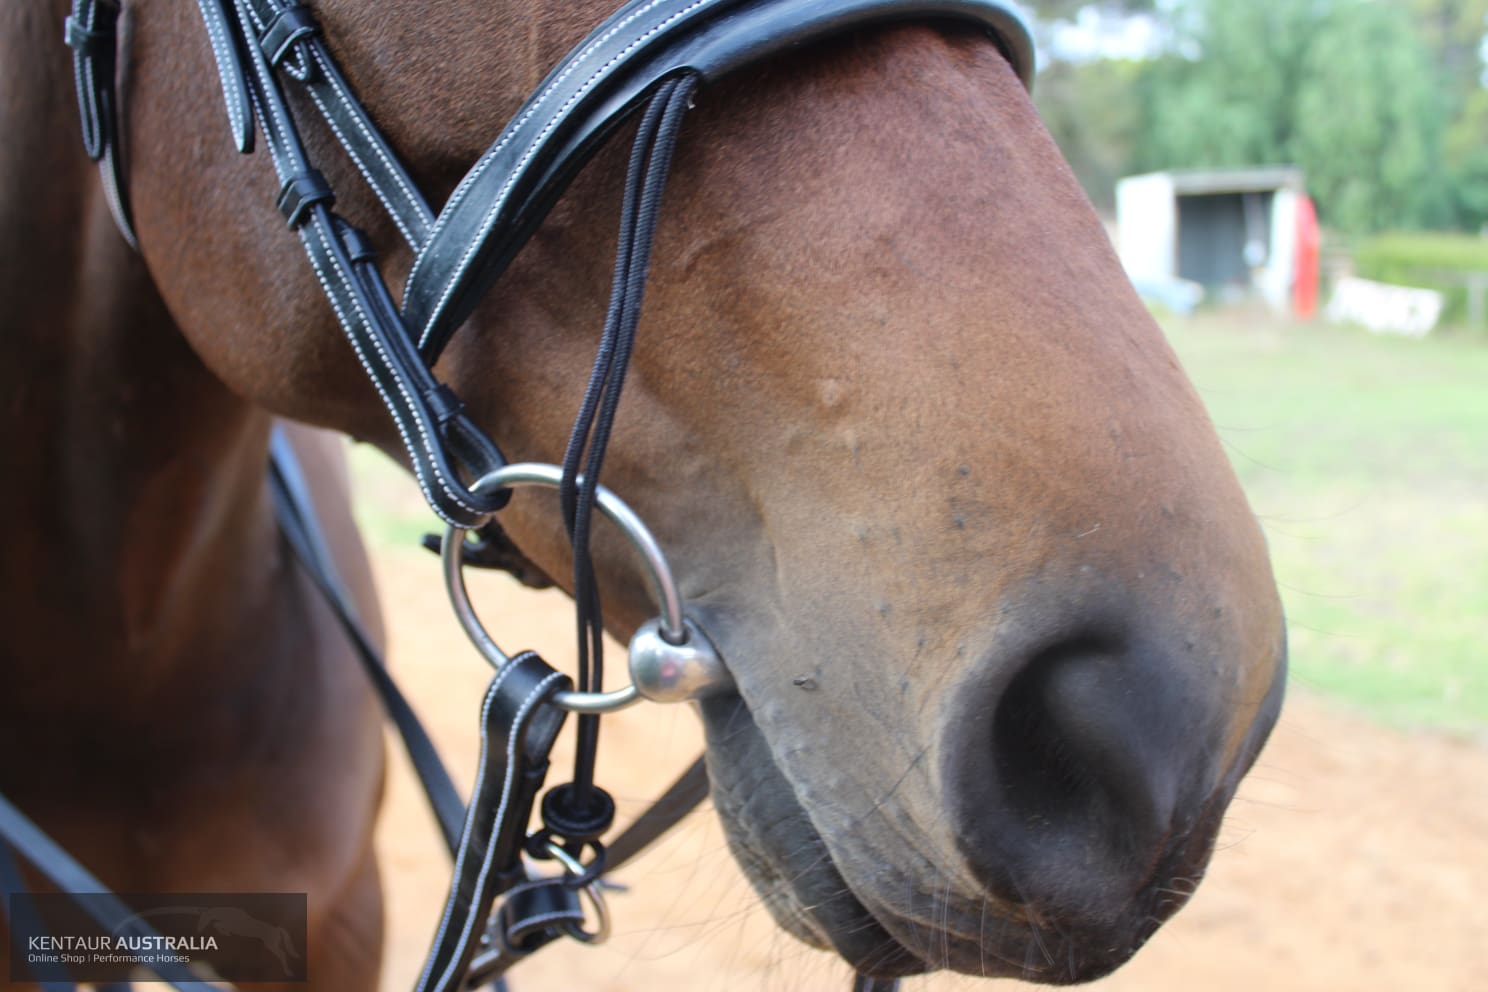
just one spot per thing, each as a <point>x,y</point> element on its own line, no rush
<point>646,58</point>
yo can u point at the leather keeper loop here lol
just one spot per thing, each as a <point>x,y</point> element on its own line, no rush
<point>289,25</point>
<point>443,403</point>
<point>302,192</point>
<point>359,247</point>
<point>89,43</point>
<point>534,915</point>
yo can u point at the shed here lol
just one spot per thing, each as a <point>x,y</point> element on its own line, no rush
<point>1238,233</point>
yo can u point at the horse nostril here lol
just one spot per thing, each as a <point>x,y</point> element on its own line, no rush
<point>1069,780</point>
<point>1070,747</point>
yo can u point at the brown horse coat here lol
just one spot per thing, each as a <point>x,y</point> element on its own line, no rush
<point>895,413</point>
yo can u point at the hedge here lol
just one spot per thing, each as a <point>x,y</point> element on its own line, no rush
<point>1430,261</point>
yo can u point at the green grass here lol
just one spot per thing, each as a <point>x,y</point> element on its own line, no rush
<point>1366,459</point>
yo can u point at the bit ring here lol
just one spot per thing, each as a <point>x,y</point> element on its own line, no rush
<point>674,629</point>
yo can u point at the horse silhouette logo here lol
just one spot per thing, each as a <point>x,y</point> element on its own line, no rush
<point>233,922</point>
<point>229,921</point>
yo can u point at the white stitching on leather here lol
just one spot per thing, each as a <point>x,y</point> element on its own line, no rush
<point>82,78</point>
<point>512,129</point>
<point>510,134</point>
<point>409,400</point>
<point>510,773</point>
<point>219,46</point>
<point>490,154</point>
<point>273,119</point>
<point>356,345</point>
<point>480,776</point>
<point>375,186</point>
<point>301,71</point>
<point>533,698</point>
<point>413,199</point>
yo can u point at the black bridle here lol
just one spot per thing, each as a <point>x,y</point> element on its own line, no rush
<point>648,57</point>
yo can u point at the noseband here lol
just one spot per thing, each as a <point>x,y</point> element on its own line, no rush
<point>648,58</point>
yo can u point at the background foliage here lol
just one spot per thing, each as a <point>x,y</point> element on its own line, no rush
<point>1432,261</point>
<point>1381,101</point>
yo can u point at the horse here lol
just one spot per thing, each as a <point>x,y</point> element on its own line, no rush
<point>1002,629</point>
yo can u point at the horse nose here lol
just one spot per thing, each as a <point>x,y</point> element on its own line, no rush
<point>1073,782</point>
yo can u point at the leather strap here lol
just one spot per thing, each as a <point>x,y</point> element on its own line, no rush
<point>300,525</point>
<point>92,33</point>
<point>507,193</point>
<point>519,722</point>
<point>69,876</point>
<point>503,198</point>
<point>533,913</point>
<point>290,38</point>
<point>443,444</point>
<point>682,797</point>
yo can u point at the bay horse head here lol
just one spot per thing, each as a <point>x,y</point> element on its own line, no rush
<point>1002,627</point>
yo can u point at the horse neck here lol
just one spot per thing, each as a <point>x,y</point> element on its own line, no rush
<point>134,516</point>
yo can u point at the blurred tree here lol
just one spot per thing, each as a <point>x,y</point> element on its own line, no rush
<point>1225,95</point>
<point>1467,162</point>
<point>1453,30</point>
<point>1091,110</point>
<point>1344,88</point>
<point>1370,119</point>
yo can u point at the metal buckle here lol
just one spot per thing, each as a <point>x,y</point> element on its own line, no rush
<point>671,659</point>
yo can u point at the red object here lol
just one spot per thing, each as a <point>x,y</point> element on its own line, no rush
<point>1306,258</point>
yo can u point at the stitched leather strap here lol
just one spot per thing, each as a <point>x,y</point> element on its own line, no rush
<point>518,725</point>
<point>505,196</point>
<point>290,37</point>
<point>91,33</point>
<point>230,71</point>
<point>440,439</point>
<point>509,191</point>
